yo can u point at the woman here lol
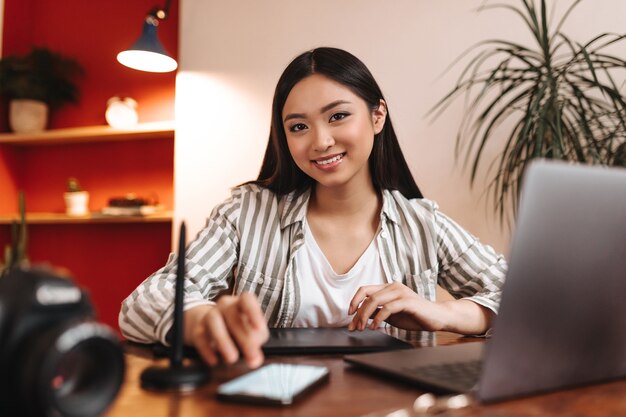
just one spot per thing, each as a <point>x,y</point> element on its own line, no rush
<point>334,232</point>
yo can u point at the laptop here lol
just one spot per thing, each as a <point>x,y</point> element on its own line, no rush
<point>562,317</point>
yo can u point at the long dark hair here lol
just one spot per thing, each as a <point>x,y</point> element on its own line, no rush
<point>387,165</point>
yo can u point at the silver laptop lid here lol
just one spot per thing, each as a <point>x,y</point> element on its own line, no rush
<point>562,320</point>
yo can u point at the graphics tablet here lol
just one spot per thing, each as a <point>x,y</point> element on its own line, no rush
<point>329,341</point>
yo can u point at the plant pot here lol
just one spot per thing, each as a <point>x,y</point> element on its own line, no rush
<point>77,203</point>
<point>28,116</point>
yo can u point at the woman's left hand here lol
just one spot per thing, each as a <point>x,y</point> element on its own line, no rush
<point>395,304</point>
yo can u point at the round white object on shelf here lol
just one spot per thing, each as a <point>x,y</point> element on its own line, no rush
<point>121,112</point>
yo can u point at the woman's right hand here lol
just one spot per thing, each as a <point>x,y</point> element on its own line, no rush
<point>234,324</point>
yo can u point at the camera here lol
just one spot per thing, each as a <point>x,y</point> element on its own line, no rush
<point>55,359</point>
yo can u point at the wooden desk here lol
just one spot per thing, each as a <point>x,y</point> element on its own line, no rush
<point>351,392</point>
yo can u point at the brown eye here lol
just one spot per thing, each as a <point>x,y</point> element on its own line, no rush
<point>297,127</point>
<point>338,116</point>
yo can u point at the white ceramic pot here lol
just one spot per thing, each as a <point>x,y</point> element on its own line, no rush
<point>28,116</point>
<point>77,203</point>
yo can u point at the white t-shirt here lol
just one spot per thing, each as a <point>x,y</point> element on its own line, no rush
<point>325,295</point>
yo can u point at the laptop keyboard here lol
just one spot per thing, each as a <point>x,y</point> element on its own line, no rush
<point>462,375</point>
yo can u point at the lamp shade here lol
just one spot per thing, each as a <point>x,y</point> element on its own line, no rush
<point>148,54</point>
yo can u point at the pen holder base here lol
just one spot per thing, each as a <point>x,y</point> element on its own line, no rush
<point>175,378</point>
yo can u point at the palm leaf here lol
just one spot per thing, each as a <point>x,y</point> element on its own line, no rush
<point>561,97</point>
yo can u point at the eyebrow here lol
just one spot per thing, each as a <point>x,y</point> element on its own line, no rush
<point>324,109</point>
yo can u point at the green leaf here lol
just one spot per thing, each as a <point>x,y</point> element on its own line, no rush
<point>561,97</point>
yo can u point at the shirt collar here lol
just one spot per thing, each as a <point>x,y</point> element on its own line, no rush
<point>390,206</point>
<point>294,207</point>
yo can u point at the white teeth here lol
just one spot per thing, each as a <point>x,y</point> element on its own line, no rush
<point>331,160</point>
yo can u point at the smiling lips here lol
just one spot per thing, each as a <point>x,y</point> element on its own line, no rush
<point>329,162</point>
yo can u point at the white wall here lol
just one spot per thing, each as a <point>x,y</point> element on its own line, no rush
<point>232,53</point>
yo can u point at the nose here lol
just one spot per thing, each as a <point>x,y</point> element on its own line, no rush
<point>323,140</point>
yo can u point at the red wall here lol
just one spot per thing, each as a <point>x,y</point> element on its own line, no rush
<point>105,169</point>
<point>8,181</point>
<point>110,270</point>
<point>125,254</point>
<point>93,32</point>
<point>109,260</point>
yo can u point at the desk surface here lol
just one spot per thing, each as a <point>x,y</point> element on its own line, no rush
<point>351,392</point>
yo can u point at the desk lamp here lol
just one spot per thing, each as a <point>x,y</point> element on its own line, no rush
<point>177,376</point>
<point>148,54</point>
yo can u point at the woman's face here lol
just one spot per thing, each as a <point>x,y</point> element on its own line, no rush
<point>330,131</point>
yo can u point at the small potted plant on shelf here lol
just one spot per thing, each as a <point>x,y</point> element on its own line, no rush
<point>34,83</point>
<point>76,200</point>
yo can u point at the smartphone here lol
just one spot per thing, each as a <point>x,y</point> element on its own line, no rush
<point>274,384</point>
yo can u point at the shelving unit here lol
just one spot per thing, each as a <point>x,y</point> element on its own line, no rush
<point>107,255</point>
<point>61,218</point>
<point>90,134</point>
<point>109,162</point>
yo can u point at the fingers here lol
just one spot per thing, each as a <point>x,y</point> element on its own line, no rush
<point>235,324</point>
<point>248,327</point>
<point>381,303</point>
<point>385,312</point>
<point>370,305</point>
<point>361,294</point>
<point>251,309</point>
<point>196,333</point>
<point>215,338</point>
<point>202,335</point>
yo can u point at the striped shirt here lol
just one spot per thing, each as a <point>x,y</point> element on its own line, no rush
<point>249,245</point>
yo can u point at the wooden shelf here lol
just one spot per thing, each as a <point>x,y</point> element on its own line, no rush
<point>62,218</point>
<point>88,134</point>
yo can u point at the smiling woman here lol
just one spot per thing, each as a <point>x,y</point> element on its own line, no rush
<point>331,139</point>
<point>333,232</point>
<point>342,80</point>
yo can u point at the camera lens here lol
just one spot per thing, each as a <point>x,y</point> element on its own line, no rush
<point>75,371</point>
<point>82,381</point>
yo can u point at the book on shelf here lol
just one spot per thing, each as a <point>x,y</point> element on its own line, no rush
<point>145,210</point>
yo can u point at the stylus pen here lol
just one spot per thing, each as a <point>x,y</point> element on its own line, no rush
<point>177,345</point>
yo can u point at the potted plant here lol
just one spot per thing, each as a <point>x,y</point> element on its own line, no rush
<point>560,97</point>
<point>76,199</point>
<point>33,83</point>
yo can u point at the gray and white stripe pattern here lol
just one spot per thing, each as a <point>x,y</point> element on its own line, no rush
<point>250,240</point>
